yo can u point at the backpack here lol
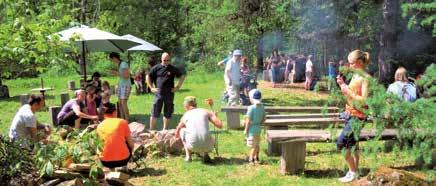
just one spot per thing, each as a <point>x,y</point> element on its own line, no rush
<point>405,95</point>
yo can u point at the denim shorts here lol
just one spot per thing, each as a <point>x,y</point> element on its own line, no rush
<point>347,138</point>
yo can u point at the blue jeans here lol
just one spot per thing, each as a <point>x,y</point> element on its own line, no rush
<point>347,139</point>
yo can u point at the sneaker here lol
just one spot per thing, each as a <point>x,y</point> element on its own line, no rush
<point>257,160</point>
<point>349,177</point>
<point>188,159</point>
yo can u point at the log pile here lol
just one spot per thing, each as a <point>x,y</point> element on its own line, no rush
<point>393,177</point>
<point>74,174</point>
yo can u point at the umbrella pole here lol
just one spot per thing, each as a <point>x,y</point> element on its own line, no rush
<point>84,60</point>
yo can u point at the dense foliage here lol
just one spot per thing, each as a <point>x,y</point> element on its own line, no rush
<point>15,163</point>
<point>202,32</point>
<point>414,121</point>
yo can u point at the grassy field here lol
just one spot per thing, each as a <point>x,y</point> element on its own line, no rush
<point>323,163</point>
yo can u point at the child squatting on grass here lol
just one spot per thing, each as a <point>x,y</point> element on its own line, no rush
<point>254,118</point>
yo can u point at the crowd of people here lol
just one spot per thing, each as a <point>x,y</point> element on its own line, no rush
<point>193,128</point>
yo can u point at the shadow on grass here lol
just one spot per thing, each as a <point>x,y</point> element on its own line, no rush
<point>315,153</point>
<point>217,161</point>
<point>147,172</point>
<point>13,98</point>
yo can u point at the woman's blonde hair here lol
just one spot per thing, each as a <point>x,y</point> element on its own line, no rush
<point>401,74</point>
<point>359,55</point>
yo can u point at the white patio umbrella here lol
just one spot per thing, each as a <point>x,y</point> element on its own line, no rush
<point>145,46</point>
<point>94,40</point>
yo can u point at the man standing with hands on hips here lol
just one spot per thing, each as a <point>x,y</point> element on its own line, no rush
<point>161,82</point>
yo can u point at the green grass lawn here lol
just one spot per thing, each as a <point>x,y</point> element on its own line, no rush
<point>323,163</point>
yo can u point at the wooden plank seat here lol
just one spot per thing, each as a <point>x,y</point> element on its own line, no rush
<point>312,115</point>
<point>291,144</point>
<point>233,112</point>
<point>301,121</point>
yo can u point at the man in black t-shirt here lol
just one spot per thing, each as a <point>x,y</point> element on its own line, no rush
<point>160,80</point>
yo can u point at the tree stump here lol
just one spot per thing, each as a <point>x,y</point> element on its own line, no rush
<point>24,99</point>
<point>71,85</point>
<point>233,120</point>
<point>54,111</point>
<point>293,157</point>
<point>64,98</point>
<point>4,91</point>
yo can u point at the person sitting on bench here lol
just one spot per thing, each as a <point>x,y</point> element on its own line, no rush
<point>72,112</point>
<point>194,129</point>
<point>356,92</point>
<point>117,142</point>
<point>25,126</point>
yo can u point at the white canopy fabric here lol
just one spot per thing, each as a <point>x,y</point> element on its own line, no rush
<point>145,46</point>
<point>89,39</point>
<point>95,40</point>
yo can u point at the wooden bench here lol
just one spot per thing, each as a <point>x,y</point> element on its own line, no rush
<point>301,121</point>
<point>232,113</point>
<point>291,144</point>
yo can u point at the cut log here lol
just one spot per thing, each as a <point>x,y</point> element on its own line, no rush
<point>64,98</point>
<point>24,99</point>
<point>117,176</point>
<point>293,157</point>
<point>65,174</point>
<point>52,182</point>
<point>79,167</point>
<point>75,182</point>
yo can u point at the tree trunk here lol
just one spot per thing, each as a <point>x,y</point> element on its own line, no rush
<point>388,40</point>
<point>82,12</point>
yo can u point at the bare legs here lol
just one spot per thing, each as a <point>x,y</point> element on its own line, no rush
<point>124,110</point>
<point>166,123</point>
<point>254,153</point>
<point>352,160</point>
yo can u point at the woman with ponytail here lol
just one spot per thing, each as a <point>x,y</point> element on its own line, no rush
<point>356,93</point>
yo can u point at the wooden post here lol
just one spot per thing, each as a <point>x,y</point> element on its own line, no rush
<point>24,99</point>
<point>114,89</point>
<point>233,120</point>
<point>64,98</point>
<point>293,157</point>
<point>54,111</point>
<point>71,85</point>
